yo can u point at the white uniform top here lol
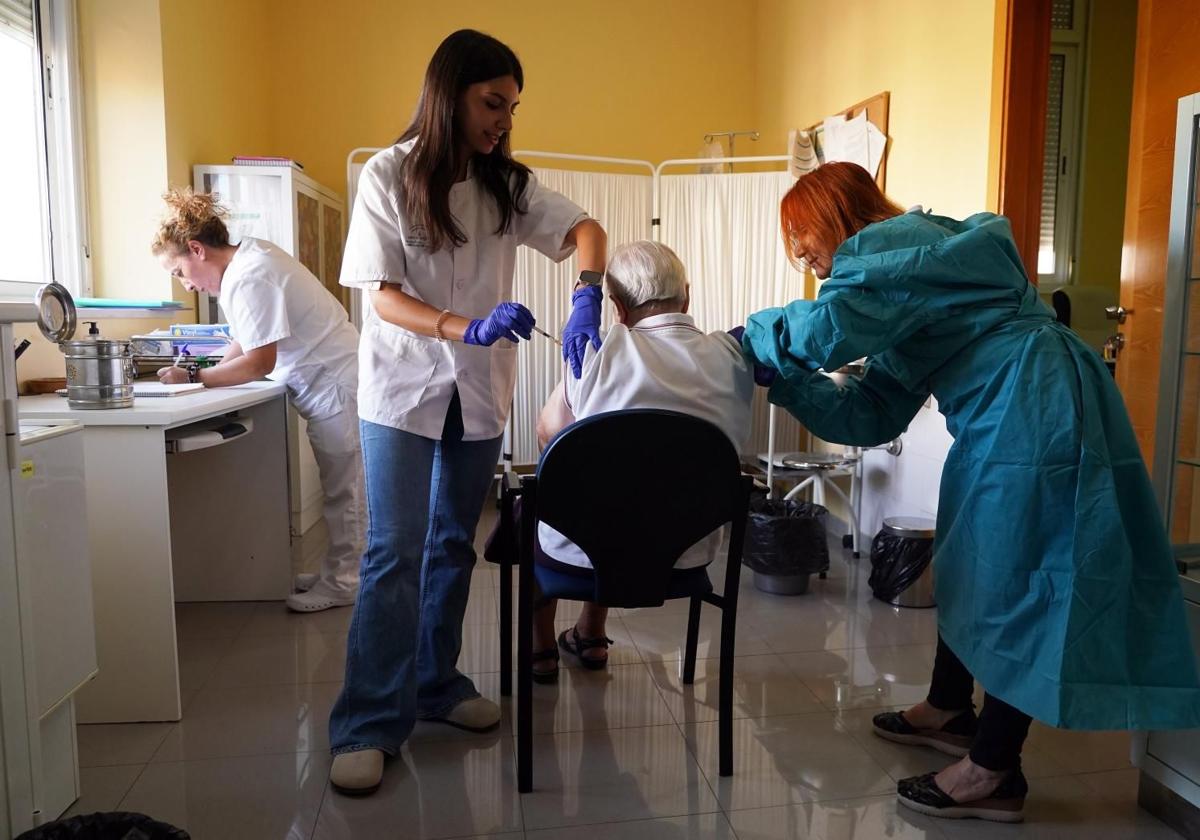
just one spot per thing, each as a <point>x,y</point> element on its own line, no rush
<point>664,362</point>
<point>407,380</point>
<point>269,296</point>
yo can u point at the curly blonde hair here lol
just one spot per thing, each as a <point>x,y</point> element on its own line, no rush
<point>190,216</point>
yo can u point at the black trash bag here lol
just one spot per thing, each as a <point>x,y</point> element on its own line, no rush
<point>896,563</point>
<point>117,825</point>
<point>785,537</point>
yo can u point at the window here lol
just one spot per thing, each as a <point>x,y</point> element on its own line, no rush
<point>43,231</point>
<point>1061,152</point>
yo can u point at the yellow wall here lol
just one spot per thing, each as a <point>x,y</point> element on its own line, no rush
<point>217,66</point>
<point>816,58</point>
<point>202,80</point>
<point>121,57</point>
<point>621,78</point>
<point>1112,32</point>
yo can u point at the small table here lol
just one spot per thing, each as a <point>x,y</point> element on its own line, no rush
<point>207,525</point>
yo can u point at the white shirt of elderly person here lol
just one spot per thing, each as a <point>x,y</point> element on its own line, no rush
<point>653,357</point>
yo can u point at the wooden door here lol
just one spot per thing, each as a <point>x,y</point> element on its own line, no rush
<point>1166,68</point>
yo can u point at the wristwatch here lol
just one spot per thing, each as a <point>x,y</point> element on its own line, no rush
<point>589,278</point>
<point>193,373</point>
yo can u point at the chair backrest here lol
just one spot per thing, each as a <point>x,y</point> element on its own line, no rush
<point>635,489</point>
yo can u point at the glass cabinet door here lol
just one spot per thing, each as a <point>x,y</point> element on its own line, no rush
<point>255,202</point>
<point>1177,431</point>
<point>1177,440</point>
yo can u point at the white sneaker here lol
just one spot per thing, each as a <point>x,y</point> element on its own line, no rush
<point>478,714</point>
<point>357,773</point>
<point>304,582</point>
<point>320,597</point>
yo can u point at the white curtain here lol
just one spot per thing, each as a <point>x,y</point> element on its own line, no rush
<point>621,203</point>
<point>725,228</point>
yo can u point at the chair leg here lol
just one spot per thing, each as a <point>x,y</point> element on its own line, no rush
<point>725,696</point>
<point>693,636</point>
<point>524,696</point>
<point>506,629</point>
<point>856,507</point>
<point>525,643</point>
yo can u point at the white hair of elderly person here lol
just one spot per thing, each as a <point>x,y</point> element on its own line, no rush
<point>644,273</point>
<point>653,357</point>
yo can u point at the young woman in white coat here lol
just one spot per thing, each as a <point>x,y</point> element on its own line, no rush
<point>433,238</point>
<point>287,327</point>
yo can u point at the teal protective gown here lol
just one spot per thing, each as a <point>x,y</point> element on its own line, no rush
<point>1054,578</point>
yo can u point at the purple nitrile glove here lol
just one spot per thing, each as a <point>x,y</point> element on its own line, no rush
<point>508,320</point>
<point>763,376</point>
<point>583,326</point>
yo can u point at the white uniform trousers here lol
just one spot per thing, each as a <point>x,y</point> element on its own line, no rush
<point>335,444</point>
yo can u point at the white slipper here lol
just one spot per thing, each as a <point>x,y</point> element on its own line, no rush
<point>305,582</point>
<point>320,597</point>
<point>357,773</point>
<point>475,715</point>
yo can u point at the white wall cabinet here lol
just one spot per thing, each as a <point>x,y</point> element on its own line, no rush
<point>55,579</point>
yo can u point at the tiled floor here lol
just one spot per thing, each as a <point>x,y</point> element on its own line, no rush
<point>628,753</point>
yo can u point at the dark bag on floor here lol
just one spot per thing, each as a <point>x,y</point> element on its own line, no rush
<point>116,825</point>
<point>896,563</point>
<point>786,538</point>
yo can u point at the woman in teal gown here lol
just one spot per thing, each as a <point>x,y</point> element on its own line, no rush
<point>1054,579</point>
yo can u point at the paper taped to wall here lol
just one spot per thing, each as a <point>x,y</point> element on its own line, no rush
<point>855,140</point>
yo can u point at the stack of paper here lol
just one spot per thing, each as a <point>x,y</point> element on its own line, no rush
<point>158,389</point>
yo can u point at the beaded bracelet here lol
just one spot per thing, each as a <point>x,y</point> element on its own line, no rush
<point>437,325</point>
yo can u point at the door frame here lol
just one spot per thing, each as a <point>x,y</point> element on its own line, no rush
<point>1026,72</point>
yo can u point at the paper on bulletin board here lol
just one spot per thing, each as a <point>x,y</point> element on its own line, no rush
<point>855,140</point>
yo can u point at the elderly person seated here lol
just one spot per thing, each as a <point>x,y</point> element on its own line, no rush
<point>653,357</point>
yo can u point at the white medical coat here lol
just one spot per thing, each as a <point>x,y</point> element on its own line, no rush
<point>269,296</point>
<point>407,380</point>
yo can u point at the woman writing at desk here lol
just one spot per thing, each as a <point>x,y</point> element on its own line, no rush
<point>286,327</point>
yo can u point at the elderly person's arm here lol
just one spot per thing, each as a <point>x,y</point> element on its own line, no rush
<point>556,415</point>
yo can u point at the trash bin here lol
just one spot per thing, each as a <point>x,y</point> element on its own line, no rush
<point>785,544</point>
<point>116,825</point>
<point>902,562</point>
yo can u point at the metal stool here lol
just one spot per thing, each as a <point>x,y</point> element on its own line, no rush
<point>824,467</point>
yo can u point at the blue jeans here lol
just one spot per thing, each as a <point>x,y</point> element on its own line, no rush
<point>424,498</point>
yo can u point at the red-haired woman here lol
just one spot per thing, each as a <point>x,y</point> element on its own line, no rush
<point>1055,584</point>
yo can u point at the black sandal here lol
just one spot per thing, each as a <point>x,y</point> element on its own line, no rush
<point>955,738</point>
<point>550,676</point>
<point>578,644</point>
<point>1006,804</point>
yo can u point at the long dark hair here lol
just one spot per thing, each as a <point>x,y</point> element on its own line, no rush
<point>465,58</point>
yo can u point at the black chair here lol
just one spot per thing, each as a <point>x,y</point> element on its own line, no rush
<point>633,489</point>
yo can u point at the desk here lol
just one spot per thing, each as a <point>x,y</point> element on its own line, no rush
<point>205,525</point>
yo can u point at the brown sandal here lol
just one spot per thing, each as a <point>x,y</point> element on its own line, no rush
<point>578,644</point>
